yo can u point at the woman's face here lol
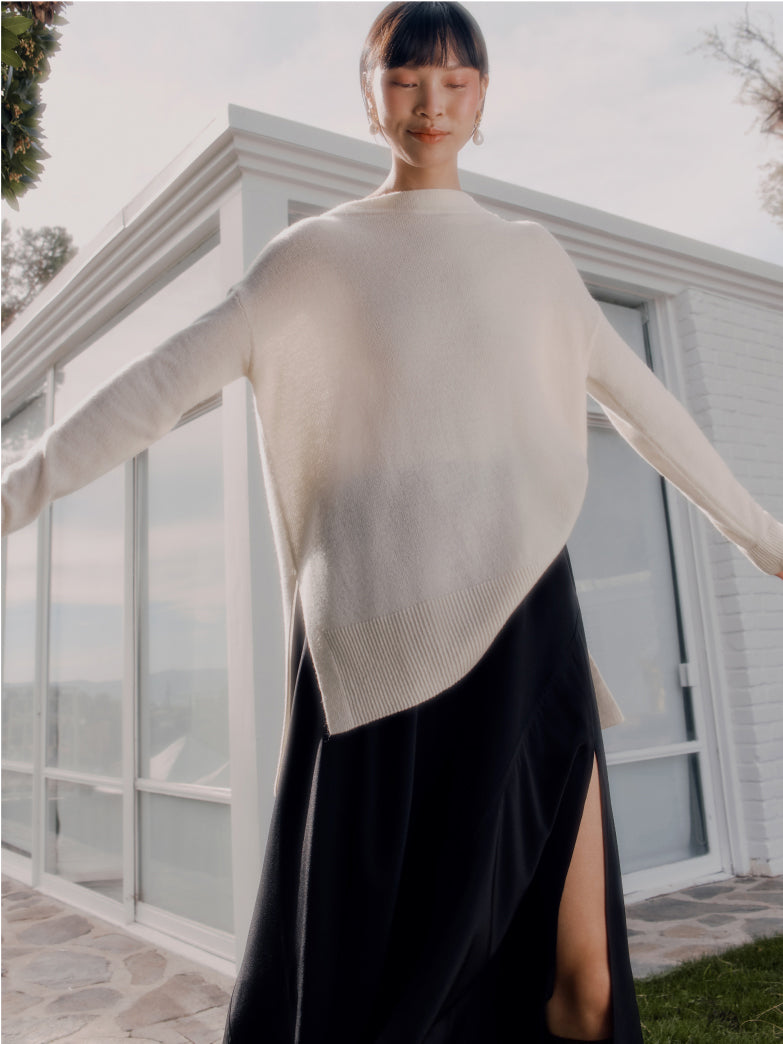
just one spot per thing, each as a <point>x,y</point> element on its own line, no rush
<point>428,112</point>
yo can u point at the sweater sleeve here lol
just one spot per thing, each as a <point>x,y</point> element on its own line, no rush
<point>135,407</point>
<point>659,428</point>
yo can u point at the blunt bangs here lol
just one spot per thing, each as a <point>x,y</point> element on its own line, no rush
<point>424,34</point>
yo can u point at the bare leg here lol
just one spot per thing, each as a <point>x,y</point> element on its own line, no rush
<point>580,1006</point>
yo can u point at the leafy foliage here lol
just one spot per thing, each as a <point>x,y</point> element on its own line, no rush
<point>29,39</point>
<point>31,257</point>
<point>752,54</point>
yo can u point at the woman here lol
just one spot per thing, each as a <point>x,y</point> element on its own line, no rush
<point>441,864</point>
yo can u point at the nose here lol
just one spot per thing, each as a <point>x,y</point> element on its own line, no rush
<point>429,102</point>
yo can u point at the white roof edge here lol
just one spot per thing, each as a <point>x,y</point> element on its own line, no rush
<point>212,132</point>
<point>605,222</point>
<point>254,121</point>
<point>264,124</point>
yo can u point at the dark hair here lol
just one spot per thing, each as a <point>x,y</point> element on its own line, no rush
<point>423,34</point>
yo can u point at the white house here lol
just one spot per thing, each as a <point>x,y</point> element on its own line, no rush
<point>143,654</point>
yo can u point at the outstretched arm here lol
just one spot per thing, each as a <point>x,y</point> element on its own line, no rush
<point>133,409</point>
<point>658,427</point>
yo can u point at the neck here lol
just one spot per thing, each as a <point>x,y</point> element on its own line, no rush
<point>402,178</point>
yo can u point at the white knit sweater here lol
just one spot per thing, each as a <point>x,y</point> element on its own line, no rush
<point>420,368</point>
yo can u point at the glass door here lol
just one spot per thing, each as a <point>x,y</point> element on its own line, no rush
<point>83,756</point>
<point>183,783</point>
<point>626,583</point>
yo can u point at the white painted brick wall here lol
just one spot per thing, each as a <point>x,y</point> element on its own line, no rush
<point>733,363</point>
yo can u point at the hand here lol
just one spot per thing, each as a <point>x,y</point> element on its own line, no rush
<point>780,575</point>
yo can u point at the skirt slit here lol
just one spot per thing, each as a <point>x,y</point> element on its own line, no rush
<point>414,867</point>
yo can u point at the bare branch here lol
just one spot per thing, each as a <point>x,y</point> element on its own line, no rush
<point>754,56</point>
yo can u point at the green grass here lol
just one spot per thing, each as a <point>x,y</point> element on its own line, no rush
<point>736,996</point>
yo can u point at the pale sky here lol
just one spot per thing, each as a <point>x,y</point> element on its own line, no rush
<point>601,103</point>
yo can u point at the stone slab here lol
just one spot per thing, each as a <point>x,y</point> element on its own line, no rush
<point>717,920</point>
<point>114,942</point>
<point>21,899</point>
<point>664,908</point>
<point>685,931</point>
<point>644,949</point>
<point>183,994</point>
<point>772,900</point>
<point>762,927</point>
<point>94,998</point>
<point>205,1028</point>
<point>59,969</point>
<point>19,892</point>
<point>56,930</point>
<point>33,912</point>
<point>740,907</point>
<point>769,884</point>
<point>146,968</point>
<point>11,952</point>
<point>709,891</point>
<point>45,1031</point>
<point>15,1002</point>
<point>163,1033</point>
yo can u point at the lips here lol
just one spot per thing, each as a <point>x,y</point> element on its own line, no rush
<point>430,134</point>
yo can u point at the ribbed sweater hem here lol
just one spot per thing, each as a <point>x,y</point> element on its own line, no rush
<point>394,662</point>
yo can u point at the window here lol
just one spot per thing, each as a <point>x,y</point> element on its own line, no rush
<point>626,585</point>
<point>83,761</point>
<point>19,648</point>
<point>136,634</point>
<point>184,811</point>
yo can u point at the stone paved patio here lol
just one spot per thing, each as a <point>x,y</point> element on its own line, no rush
<point>701,920</point>
<point>71,977</point>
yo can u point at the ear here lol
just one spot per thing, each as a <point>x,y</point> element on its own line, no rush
<point>484,83</point>
<point>367,94</point>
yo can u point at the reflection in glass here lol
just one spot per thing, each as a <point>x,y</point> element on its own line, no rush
<point>17,815</point>
<point>84,835</point>
<point>84,713</point>
<point>621,562</point>
<point>19,644</point>
<point>185,858</point>
<point>19,579</point>
<point>183,680</point>
<point>658,811</point>
<point>22,429</point>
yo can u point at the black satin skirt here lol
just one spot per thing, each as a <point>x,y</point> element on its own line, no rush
<point>414,866</point>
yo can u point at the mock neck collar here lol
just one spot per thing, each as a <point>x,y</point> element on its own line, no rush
<point>430,201</point>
